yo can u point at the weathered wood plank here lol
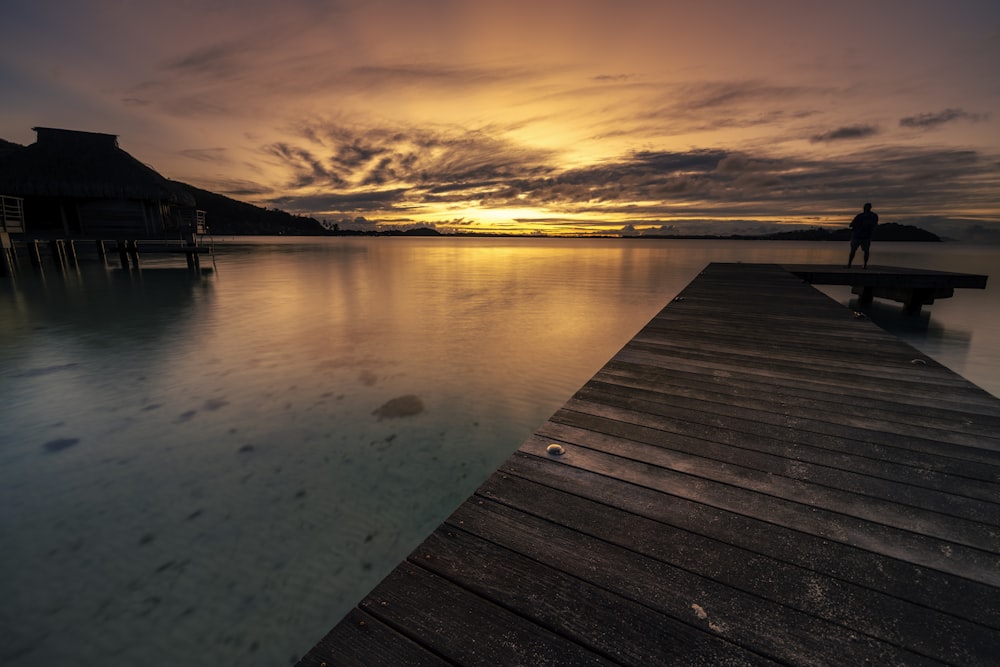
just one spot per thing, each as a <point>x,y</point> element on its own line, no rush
<point>971,400</point>
<point>549,592</point>
<point>465,628</point>
<point>927,587</point>
<point>777,397</point>
<point>974,561</point>
<point>362,640</point>
<point>919,452</point>
<point>985,447</point>
<point>958,497</point>
<point>775,631</point>
<point>794,590</point>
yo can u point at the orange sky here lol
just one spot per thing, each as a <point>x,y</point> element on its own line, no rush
<point>560,116</point>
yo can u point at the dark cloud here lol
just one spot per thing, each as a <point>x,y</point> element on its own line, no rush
<point>205,154</point>
<point>681,109</point>
<point>433,160</point>
<point>612,78</point>
<point>932,120</point>
<point>193,106</point>
<point>847,132</point>
<point>723,95</point>
<point>216,60</point>
<point>309,169</point>
<point>380,200</point>
<point>435,75</point>
<point>239,189</point>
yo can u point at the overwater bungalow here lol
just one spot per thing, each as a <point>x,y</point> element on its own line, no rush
<point>81,184</point>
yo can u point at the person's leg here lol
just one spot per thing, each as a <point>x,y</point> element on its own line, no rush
<point>854,250</point>
<point>866,246</point>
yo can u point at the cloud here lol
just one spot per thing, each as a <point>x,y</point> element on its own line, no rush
<point>217,154</point>
<point>932,120</point>
<point>612,78</point>
<point>434,75</point>
<point>216,60</point>
<point>308,168</point>
<point>647,189</point>
<point>846,132</point>
<point>237,188</point>
<point>442,162</point>
<point>347,202</point>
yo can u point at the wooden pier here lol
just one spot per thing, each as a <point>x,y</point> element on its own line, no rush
<point>757,477</point>
<point>64,252</point>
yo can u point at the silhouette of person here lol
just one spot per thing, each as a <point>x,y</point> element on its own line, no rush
<point>862,228</point>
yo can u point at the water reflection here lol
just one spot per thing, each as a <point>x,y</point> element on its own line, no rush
<point>111,304</point>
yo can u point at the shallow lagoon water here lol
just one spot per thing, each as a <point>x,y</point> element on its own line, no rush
<point>213,469</point>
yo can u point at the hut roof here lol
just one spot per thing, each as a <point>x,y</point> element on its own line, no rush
<point>90,165</point>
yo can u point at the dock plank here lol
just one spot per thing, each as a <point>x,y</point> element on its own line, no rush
<point>923,586</point>
<point>758,476</point>
<point>794,590</point>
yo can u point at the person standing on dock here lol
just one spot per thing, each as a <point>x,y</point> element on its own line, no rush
<point>862,228</point>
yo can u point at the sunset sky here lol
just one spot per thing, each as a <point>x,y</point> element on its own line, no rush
<point>560,116</point>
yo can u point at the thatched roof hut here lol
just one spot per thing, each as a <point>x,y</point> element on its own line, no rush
<point>86,176</point>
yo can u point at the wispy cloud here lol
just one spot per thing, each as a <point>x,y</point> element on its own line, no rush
<point>847,132</point>
<point>215,60</point>
<point>931,120</point>
<point>217,154</point>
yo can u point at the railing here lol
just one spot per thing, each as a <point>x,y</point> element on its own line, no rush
<point>11,214</point>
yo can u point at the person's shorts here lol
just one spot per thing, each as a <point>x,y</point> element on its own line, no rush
<point>864,244</point>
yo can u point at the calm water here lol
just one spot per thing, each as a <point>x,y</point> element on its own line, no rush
<point>196,470</point>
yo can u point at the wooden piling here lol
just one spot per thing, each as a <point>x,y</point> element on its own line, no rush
<point>69,250</point>
<point>102,252</point>
<point>123,255</point>
<point>6,255</point>
<point>58,249</point>
<point>35,254</point>
<point>133,252</point>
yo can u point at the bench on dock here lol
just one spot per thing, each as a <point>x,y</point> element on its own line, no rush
<point>914,288</point>
<point>757,477</point>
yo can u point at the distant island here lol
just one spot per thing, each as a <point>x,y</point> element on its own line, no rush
<point>889,231</point>
<point>229,217</point>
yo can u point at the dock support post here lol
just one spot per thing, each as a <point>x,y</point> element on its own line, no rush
<point>58,248</point>
<point>866,296</point>
<point>916,300</point>
<point>35,254</point>
<point>191,251</point>
<point>6,255</point>
<point>102,252</point>
<point>123,254</point>
<point>133,252</point>
<point>69,248</point>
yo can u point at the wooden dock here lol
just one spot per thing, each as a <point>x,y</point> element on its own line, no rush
<point>758,477</point>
